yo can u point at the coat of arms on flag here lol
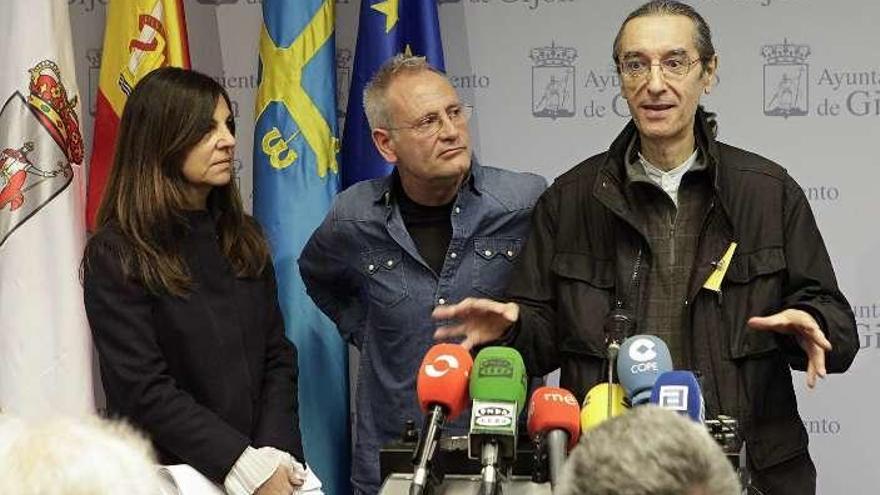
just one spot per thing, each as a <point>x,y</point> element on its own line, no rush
<point>39,138</point>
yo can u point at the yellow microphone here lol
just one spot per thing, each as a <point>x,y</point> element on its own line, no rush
<point>602,402</point>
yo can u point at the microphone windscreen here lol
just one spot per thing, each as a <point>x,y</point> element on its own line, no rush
<point>554,408</point>
<point>499,375</point>
<point>642,359</point>
<point>443,379</point>
<point>601,403</point>
<point>679,391</point>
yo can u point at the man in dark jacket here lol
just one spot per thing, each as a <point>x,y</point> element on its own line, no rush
<point>712,248</point>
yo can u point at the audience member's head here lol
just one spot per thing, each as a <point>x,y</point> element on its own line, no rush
<point>68,456</point>
<point>648,451</point>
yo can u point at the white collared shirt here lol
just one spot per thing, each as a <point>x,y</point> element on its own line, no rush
<point>668,181</point>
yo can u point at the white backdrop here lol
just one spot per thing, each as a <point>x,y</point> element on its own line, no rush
<point>799,82</point>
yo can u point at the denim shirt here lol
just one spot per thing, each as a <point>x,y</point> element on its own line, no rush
<point>362,268</point>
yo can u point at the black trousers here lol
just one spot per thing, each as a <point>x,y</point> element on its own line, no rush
<point>796,476</point>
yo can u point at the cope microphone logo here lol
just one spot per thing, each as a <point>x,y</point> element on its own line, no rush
<point>441,365</point>
<point>495,368</point>
<point>642,351</point>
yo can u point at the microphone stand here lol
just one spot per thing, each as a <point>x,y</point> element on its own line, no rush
<point>618,325</point>
<point>490,484</point>
<point>423,476</point>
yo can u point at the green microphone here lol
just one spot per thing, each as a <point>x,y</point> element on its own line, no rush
<point>498,389</point>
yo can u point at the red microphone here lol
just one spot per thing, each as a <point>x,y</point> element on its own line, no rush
<point>443,379</point>
<point>555,415</point>
<point>442,388</point>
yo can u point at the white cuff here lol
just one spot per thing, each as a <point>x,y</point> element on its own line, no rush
<point>252,469</point>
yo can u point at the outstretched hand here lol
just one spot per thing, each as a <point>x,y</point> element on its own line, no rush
<point>478,320</point>
<point>806,332</point>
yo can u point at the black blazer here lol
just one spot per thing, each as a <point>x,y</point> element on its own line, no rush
<point>206,375</point>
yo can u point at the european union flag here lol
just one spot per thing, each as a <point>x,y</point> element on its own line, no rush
<point>296,176</point>
<point>386,28</point>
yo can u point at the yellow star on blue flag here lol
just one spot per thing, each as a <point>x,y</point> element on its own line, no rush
<point>389,8</point>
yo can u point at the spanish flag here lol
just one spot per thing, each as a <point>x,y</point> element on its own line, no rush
<point>140,36</point>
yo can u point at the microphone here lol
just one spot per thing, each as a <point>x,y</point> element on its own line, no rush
<point>442,389</point>
<point>642,359</point>
<point>618,324</point>
<point>554,414</point>
<point>601,403</point>
<point>679,391</point>
<point>498,387</point>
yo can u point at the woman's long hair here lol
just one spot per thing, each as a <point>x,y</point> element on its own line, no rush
<point>169,111</point>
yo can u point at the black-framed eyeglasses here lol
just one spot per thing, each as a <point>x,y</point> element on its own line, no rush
<point>431,124</point>
<point>674,65</point>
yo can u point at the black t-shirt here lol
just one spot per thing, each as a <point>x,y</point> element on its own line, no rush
<point>429,226</point>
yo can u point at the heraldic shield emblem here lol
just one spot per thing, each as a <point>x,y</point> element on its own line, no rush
<point>39,138</point>
<point>553,81</point>
<point>786,80</point>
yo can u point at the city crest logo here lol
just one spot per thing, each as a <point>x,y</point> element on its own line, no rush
<point>39,139</point>
<point>553,81</point>
<point>786,80</point>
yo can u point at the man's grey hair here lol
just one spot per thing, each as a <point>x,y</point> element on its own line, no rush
<point>648,451</point>
<point>702,38</point>
<point>375,92</point>
<point>68,456</point>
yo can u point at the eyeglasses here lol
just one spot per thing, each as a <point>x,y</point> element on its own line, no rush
<point>674,66</point>
<point>431,124</point>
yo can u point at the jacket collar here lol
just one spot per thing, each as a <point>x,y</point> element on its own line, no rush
<point>614,166</point>
<point>609,188</point>
<point>385,192</point>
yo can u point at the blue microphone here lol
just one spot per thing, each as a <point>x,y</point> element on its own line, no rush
<point>642,359</point>
<point>679,391</point>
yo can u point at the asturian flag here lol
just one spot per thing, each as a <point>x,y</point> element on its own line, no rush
<point>296,177</point>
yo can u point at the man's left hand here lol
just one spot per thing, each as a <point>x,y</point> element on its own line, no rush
<point>806,332</point>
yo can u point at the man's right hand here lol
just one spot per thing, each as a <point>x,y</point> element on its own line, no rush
<point>479,320</point>
<point>277,484</point>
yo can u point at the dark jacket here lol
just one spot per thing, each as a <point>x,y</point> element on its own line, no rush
<point>204,376</point>
<point>581,257</point>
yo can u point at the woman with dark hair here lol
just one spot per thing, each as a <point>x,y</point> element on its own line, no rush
<point>181,297</point>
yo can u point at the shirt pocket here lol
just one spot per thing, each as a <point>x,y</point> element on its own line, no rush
<point>752,286</point>
<point>385,274</point>
<point>494,257</point>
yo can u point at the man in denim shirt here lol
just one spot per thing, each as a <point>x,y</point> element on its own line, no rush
<point>438,229</point>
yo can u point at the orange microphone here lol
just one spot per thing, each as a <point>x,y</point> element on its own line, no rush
<point>442,389</point>
<point>555,415</point>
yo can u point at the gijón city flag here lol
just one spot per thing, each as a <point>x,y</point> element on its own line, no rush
<point>140,36</point>
<point>45,343</point>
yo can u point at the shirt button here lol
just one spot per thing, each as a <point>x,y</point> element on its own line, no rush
<point>487,252</point>
<point>441,301</point>
<point>453,255</point>
<point>371,267</point>
<point>457,210</point>
<point>509,253</point>
<point>389,263</point>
